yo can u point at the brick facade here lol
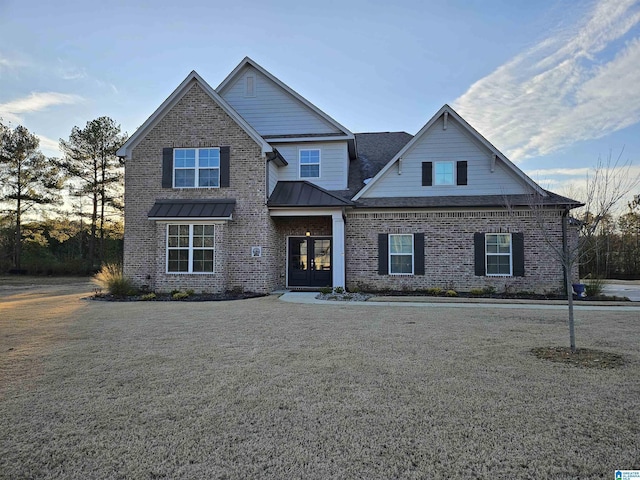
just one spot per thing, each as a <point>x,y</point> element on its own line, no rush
<point>449,249</point>
<point>197,121</point>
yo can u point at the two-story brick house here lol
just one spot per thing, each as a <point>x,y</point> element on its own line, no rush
<point>250,186</point>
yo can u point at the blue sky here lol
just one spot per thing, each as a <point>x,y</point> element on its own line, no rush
<point>552,83</point>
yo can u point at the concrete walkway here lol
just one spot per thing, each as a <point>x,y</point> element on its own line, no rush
<point>432,302</point>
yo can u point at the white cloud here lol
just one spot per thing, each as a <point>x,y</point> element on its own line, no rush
<point>49,145</point>
<point>565,89</point>
<point>12,111</point>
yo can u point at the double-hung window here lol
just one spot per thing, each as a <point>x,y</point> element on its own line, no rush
<point>310,163</point>
<point>444,173</point>
<point>196,167</point>
<point>401,254</point>
<point>190,248</point>
<point>498,254</point>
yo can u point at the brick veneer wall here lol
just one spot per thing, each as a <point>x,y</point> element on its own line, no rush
<point>449,249</point>
<point>197,121</point>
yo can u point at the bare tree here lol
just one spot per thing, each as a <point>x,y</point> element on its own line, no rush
<point>607,184</point>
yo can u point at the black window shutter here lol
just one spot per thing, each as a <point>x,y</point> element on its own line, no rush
<point>383,254</point>
<point>518,254</point>
<point>427,174</point>
<point>479,252</point>
<point>167,167</point>
<point>225,155</point>
<point>461,168</point>
<point>418,253</point>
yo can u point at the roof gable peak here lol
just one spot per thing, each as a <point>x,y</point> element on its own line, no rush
<point>174,98</point>
<point>247,61</point>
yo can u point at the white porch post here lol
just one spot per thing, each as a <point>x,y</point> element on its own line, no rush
<point>338,250</point>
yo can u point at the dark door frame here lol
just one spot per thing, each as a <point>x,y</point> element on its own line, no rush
<point>313,280</point>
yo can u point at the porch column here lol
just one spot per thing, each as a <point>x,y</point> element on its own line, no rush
<point>338,250</point>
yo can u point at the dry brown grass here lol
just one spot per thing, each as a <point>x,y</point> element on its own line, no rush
<point>264,389</point>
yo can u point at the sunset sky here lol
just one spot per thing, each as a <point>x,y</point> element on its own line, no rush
<point>552,84</point>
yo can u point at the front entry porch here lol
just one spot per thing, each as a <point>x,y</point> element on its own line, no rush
<point>309,262</point>
<point>312,243</point>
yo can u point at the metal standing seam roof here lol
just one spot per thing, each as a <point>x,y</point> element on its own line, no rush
<point>300,193</point>
<point>209,208</point>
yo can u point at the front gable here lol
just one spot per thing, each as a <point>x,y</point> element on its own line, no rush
<point>448,158</point>
<point>274,109</point>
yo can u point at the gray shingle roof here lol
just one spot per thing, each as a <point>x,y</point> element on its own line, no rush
<point>209,208</point>
<point>374,150</point>
<point>300,193</point>
<point>467,201</point>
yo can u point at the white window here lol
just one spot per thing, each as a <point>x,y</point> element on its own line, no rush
<point>309,163</point>
<point>190,248</point>
<point>196,167</point>
<point>499,256</point>
<point>401,254</point>
<point>444,173</point>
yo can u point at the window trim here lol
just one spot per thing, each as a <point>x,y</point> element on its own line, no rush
<point>190,248</point>
<point>453,173</point>
<point>487,254</point>
<point>319,150</point>
<point>390,254</point>
<point>197,167</point>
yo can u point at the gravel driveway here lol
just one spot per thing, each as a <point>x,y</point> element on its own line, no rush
<point>264,389</point>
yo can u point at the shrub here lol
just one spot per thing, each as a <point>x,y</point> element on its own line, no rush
<point>476,291</point>
<point>489,290</point>
<point>148,296</point>
<point>435,291</point>
<point>355,290</point>
<point>338,290</point>
<point>190,291</point>
<point>179,295</point>
<point>326,290</point>
<point>111,278</point>
<point>594,287</point>
<point>451,293</point>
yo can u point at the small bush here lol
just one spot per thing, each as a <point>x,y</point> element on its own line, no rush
<point>179,295</point>
<point>354,290</point>
<point>190,291</point>
<point>338,290</point>
<point>435,291</point>
<point>476,291</point>
<point>594,287</point>
<point>489,290</point>
<point>148,296</point>
<point>451,293</point>
<point>111,278</point>
<point>326,290</point>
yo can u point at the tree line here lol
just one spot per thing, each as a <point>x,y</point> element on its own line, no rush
<point>64,215</point>
<point>61,215</point>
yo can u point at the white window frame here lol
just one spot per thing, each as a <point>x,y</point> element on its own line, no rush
<point>453,173</point>
<point>190,248</point>
<point>196,167</point>
<point>300,164</point>
<point>413,247</point>
<point>498,254</point>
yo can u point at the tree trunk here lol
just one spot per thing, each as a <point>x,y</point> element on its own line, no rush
<point>566,264</point>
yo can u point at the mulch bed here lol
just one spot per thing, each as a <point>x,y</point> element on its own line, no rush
<point>583,357</point>
<point>166,297</point>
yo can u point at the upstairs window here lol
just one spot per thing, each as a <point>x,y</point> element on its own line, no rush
<point>196,167</point>
<point>309,163</point>
<point>444,173</point>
